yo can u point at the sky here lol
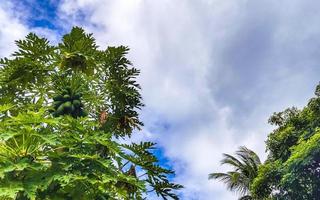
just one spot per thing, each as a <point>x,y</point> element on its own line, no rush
<point>212,71</point>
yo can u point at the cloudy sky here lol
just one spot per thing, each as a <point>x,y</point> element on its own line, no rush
<point>212,71</point>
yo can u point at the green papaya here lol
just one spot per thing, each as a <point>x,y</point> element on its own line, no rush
<point>58,98</point>
<point>67,105</point>
<point>66,97</point>
<point>72,108</point>
<point>76,103</point>
<point>60,110</point>
<point>75,113</point>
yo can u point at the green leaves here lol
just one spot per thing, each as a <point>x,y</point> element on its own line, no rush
<point>267,180</point>
<point>155,174</point>
<point>23,76</point>
<point>122,91</point>
<point>50,149</point>
<point>5,107</point>
<point>78,51</point>
<point>35,48</point>
<point>292,168</point>
<point>78,41</point>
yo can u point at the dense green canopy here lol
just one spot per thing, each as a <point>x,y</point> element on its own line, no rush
<point>63,109</point>
<point>292,168</point>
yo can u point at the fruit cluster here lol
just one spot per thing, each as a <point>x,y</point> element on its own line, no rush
<point>68,103</point>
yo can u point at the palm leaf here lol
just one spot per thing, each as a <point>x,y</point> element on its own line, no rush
<point>245,168</point>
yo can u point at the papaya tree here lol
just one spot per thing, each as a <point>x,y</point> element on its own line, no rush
<point>65,112</point>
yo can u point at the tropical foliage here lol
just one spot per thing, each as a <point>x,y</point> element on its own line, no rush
<point>292,168</point>
<point>64,110</point>
<point>244,170</point>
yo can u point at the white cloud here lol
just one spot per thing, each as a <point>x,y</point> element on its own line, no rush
<point>212,72</point>
<point>47,33</point>
<point>11,29</point>
<point>171,46</point>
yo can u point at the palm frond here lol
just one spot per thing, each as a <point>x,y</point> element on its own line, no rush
<point>245,165</point>
<point>220,176</point>
<point>246,197</point>
<point>231,161</point>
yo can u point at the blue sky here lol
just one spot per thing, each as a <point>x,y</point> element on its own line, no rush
<point>212,71</point>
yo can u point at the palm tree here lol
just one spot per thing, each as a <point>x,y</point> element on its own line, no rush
<point>245,169</point>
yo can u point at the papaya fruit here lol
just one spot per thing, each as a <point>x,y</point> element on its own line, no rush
<point>66,97</point>
<point>60,110</point>
<point>72,108</point>
<point>67,105</point>
<point>58,98</point>
<point>76,103</point>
